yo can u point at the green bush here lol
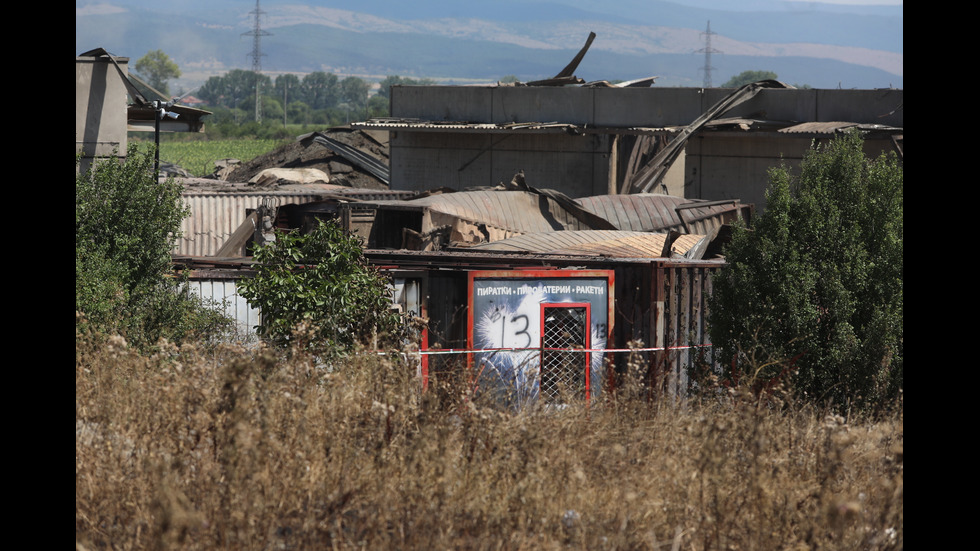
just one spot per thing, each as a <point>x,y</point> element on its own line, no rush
<point>320,280</point>
<point>815,293</point>
<point>126,225</point>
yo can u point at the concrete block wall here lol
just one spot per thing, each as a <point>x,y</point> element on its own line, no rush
<point>722,165</point>
<point>100,109</point>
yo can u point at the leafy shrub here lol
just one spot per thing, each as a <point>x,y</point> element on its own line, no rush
<point>126,225</point>
<point>816,289</point>
<point>320,280</point>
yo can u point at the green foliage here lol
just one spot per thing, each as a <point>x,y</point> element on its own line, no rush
<point>126,224</point>
<point>746,77</point>
<point>319,98</point>
<point>395,80</point>
<point>157,68</point>
<point>377,106</point>
<point>320,280</point>
<point>320,90</point>
<point>816,290</point>
<point>198,156</point>
<point>354,92</point>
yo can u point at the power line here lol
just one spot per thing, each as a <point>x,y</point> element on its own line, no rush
<point>707,51</point>
<point>257,33</point>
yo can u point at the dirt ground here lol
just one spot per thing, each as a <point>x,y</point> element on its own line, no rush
<point>309,154</point>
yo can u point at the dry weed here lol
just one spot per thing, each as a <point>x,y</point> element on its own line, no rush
<point>241,449</point>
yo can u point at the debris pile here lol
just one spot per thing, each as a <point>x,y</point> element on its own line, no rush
<point>307,153</point>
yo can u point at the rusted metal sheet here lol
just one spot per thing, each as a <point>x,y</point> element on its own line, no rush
<point>653,212</point>
<point>651,174</point>
<point>567,76</point>
<point>216,215</point>
<point>513,211</point>
<point>606,243</point>
<point>835,127</point>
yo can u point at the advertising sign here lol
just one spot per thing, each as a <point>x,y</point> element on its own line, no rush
<point>540,334</point>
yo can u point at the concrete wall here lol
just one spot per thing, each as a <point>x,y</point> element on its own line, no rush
<point>626,107</point>
<point>728,165</point>
<point>577,165</point>
<point>100,109</point>
<point>718,165</point>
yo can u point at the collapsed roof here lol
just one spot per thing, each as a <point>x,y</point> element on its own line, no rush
<point>607,243</point>
<point>532,220</point>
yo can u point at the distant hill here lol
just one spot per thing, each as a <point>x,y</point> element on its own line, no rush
<point>457,41</point>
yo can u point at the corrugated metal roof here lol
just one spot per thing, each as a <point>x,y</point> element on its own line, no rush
<point>828,127</point>
<point>653,212</point>
<point>217,212</point>
<point>832,127</point>
<point>463,126</point>
<point>610,243</point>
<point>214,217</point>
<point>516,211</point>
<point>530,127</point>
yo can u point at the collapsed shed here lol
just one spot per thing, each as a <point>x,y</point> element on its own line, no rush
<point>461,219</point>
<point>523,292</point>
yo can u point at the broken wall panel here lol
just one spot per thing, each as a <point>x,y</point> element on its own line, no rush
<point>432,160</point>
<point>576,165</point>
<point>214,217</point>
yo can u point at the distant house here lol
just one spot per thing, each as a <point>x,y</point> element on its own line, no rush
<point>192,101</point>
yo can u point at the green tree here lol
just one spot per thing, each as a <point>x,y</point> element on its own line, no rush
<point>288,91</point>
<point>746,77</point>
<point>320,279</point>
<point>377,106</point>
<point>321,90</point>
<point>232,89</point>
<point>288,86</point>
<point>299,112</point>
<point>271,109</point>
<point>815,292</point>
<point>395,80</point>
<point>157,68</point>
<point>126,224</point>
<point>354,92</point>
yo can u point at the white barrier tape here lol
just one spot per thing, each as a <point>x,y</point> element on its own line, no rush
<point>431,352</point>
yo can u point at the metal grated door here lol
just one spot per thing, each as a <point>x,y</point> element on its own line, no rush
<point>564,373</point>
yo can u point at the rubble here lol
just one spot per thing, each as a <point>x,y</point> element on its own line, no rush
<point>307,154</point>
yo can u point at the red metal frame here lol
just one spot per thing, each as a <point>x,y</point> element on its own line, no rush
<point>588,339</point>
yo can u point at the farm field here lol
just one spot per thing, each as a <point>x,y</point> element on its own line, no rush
<point>243,449</point>
<point>198,156</point>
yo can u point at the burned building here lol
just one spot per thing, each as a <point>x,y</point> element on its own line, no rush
<point>585,140</point>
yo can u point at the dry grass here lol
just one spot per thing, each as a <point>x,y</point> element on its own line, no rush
<point>233,449</point>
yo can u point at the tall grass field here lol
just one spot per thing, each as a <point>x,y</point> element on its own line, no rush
<point>239,448</point>
<point>198,156</point>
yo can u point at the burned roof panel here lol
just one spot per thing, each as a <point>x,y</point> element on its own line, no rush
<point>607,243</point>
<point>516,211</point>
<point>652,212</point>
